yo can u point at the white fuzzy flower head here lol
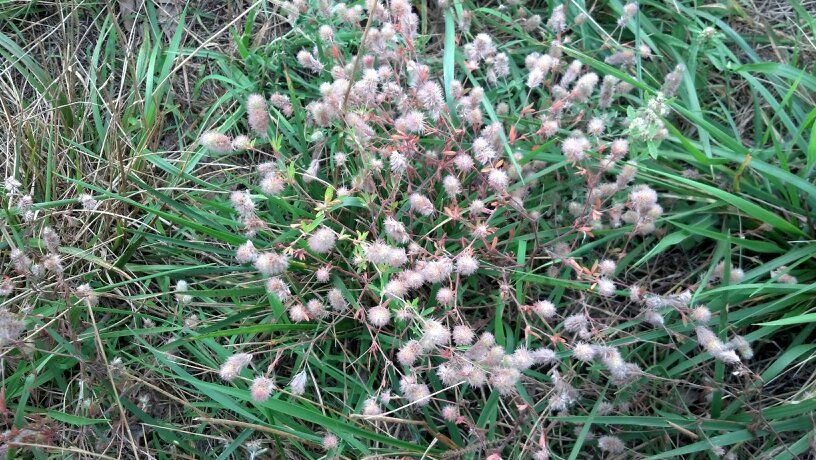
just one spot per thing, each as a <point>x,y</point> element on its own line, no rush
<point>477,207</point>
<point>451,185</point>
<point>483,151</point>
<point>395,289</point>
<point>417,393</point>
<point>241,142</point>
<point>596,126</point>
<point>466,264</point>
<point>619,147</point>
<point>412,279</point>
<point>450,413</point>
<point>88,202</point>
<point>463,162</point>
<point>446,296</point>
<point>381,253</point>
<point>549,128</point>
<point>330,442</point>
<point>278,287</point>
<point>544,309</point>
<point>261,388</point>
<point>322,240</point>
<point>316,308</point>
<point>701,314</point>
<point>7,287</point>
<point>273,183</point>
<point>409,353</point>
<point>498,180</point>
<point>583,351</point>
<point>323,274</point>
<point>575,148</point>
<point>246,253</point>
<point>378,316</point>
<point>242,203</point>
<point>51,240</point>
<point>463,335</point>
<point>576,323</point>
<point>606,287</point>
<point>83,291</point>
<point>421,204</point>
<point>12,185</point>
<point>298,383</point>
<point>741,345</point>
<point>298,313</point>
<point>216,142</point>
<point>234,365</point>
<point>398,163</point>
<point>336,299</point>
<point>611,444</point>
<point>504,380</point>
<point>272,263</point>
<point>326,33</point>
<point>438,270</point>
<point>435,334</point>
<point>544,356</point>
<point>654,318</point>
<point>607,267</point>
<point>395,230</point>
<point>522,358</point>
<point>181,292</point>
<point>411,122</point>
<point>371,408</point>
<point>257,115</point>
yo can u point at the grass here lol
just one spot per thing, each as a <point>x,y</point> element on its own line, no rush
<point>93,106</point>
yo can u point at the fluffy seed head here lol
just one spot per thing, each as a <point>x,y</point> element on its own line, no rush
<point>451,185</point>
<point>298,383</point>
<point>463,335</point>
<point>607,267</point>
<point>330,441</point>
<point>336,299</point>
<point>611,444</point>
<point>701,314</point>
<point>583,352</point>
<point>409,353</point>
<point>257,115</point>
<point>261,388</point>
<point>504,380</point>
<point>450,413</point>
<point>421,204</point>
<point>445,296</point>
<point>435,334</point>
<point>272,263</point>
<point>323,274</point>
<point>246,253</point>
<point>277,286</point>
<point>574,148</point>
<point>466,264</point>
<point>544,309</point>
<point>234,365</point>
<point>378,316</point>
<point>498,180</point>
<point>606,287</point>
<point>322,240</point>
<point>216,142</point>
<point>88,202</point>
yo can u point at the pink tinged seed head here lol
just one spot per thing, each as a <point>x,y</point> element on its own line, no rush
<point>261,388</point>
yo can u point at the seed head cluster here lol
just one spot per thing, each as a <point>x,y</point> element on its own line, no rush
<point>463,234</point>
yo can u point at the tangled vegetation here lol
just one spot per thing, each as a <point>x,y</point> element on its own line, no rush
<point>395,229</point>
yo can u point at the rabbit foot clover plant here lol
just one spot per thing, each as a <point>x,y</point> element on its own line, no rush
<point>431,230</point>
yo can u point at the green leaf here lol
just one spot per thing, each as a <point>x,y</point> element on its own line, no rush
<point>75,419</point>
<point>798,319</point>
